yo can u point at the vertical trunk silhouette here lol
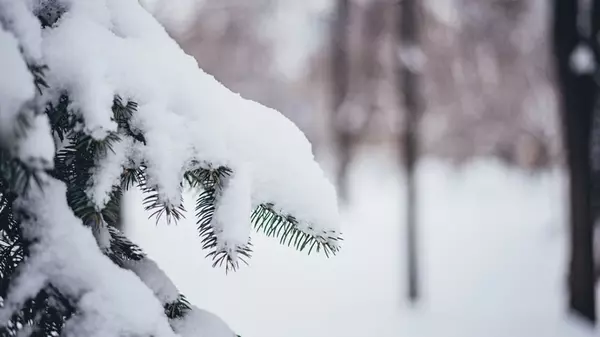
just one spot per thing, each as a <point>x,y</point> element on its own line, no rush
<point>339,82</point>
<point>578,91</point>
<point>408,49</point>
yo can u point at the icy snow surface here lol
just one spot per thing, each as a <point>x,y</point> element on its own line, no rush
<point>493,261</point>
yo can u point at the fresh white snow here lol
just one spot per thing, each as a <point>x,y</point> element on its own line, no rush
<point>108,170</point>
<point>155,278</point>
<point>16,17</point>
<point>201,323</point>
<point>188,118</point>
<point>492,243</point>
<point>99,49</point>
<point>17,91</point>
<point>230,220</point>
<point>110,301</point>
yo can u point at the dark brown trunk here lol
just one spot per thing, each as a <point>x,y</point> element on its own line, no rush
<point>578,100</point>
<point>408,89</point>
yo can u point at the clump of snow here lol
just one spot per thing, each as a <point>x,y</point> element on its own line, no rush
<point>110,301</point>
<point>107,172</point>
<point>105,48</point>
<point>154,278</point>
<point>582,60</point>
<point>201,323</point>
<point>102,235</point>
<point>82,76</point>
<point>36,149</point>
<point>231,220</point>
<point>16,17</point>
<point>16,86</point>
<point>117,47</point>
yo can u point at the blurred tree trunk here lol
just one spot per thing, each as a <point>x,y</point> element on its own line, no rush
<point>340,68</point>
<point>578,90</point>
<point>408,86</point>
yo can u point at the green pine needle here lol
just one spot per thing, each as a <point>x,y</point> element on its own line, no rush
<point>16,175</point>
<point>272,224</point>
<point>38,76</point>
<point>264,218</point>
<point>212,180</point>
<point>178,308</point>
<point>122,249</point>
<point>152,202</point>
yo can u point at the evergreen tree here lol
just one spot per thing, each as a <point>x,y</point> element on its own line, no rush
<point>67,155</point>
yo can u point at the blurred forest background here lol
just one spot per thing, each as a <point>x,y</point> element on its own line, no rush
<point>486,81</point>
<point>470,84</point>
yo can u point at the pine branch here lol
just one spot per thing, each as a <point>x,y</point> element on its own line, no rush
<point>152,202</point>
<point>178,308</point>
<point>122,249</point>
<point>111,213</point>
<point>38,76</point>
<point>158,208</point>
<point>12,248</point>
<point>74,164</point>
<point>122,113</point>
<point>264,218</point>
<point>16,175</point>
<point>49,12</point>
<point>205,208</point>
<point>61,121</point>
<point>29,109</point>
<point>212,183</point>
<point>272,224</point>
<point>132,177</point>
<point>45,315</point>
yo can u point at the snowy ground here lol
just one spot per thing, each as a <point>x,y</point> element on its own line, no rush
<point>492,261</point>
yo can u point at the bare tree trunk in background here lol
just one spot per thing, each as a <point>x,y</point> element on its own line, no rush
<point>578,101</point>
<point>409,89</point>
<point>370,65</point>
<point>340,69</point>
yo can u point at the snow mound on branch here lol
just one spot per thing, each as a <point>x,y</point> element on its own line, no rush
<point>110,301</point>
<point>155,278</point>
<point>111,47</point>
<point>232,213</point>
<point>16,85</point>
<point>201,323</point>
<point>16,17</point>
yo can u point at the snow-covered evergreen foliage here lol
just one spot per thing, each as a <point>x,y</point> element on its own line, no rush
<point>96,98</point>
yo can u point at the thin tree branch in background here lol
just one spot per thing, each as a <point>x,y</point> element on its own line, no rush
<point>409,66</point>
<point>578,91</point>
